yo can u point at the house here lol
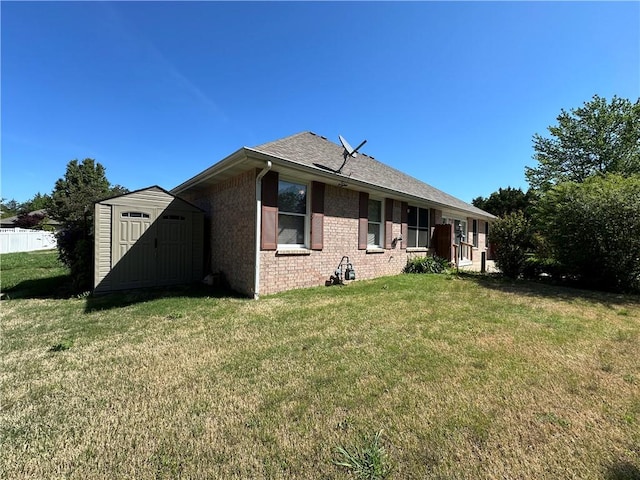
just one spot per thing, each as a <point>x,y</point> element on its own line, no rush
<point>49,223</point>
<point>288,213</point>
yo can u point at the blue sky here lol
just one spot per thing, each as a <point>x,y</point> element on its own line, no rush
<point>450,93</point>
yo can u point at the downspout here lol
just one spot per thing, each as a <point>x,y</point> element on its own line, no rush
<point>256,284</point>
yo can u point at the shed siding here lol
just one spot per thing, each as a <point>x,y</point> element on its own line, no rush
<point>157,202</point>
<point>149,198</point>
<point>102,246</point>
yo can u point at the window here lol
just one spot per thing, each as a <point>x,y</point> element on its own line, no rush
<point>374,234</point>
<point>292,213</point>
<point>418,222</point>
<point>172,217</point>
<point>475,233</point>
<point>134,215</point>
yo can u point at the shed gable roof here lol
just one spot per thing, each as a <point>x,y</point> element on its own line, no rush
<point>148,195</point>
<point>311,150</point>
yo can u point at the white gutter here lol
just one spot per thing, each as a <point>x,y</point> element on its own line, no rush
<point>256,283</point>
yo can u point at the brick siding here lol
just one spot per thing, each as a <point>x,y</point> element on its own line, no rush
<point>230,206</point>
<point>281,272</point>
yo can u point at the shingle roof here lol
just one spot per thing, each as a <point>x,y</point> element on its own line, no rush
<point>309,149</point>
<point>49,221</point>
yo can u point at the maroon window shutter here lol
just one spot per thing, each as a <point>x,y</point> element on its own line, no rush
<point>388,223</point>
<point>269,227</point>
<point>404,220</point>
<point>317,215</point>
<point>363,221</point>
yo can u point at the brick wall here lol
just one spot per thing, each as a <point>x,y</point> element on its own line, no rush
<point>230,209</point>
<point>281,272</point>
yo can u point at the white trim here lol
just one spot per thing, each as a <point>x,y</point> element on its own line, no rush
<point>256,268</point>
<point>293,251</point>
<point>306,215</point>
<point>381,232</point>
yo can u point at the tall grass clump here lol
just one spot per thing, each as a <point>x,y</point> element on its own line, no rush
<point>367,461</point>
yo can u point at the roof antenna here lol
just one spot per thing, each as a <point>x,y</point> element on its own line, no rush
<point>348,151</point>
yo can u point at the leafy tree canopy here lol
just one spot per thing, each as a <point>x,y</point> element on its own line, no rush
<point>38,202</point>
<point>9,207</point>
<point>505,201</point>
<point>12,208</point>
<point>598,138</point>
<point>74,194</point>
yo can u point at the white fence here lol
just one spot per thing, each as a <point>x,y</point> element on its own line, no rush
<point>23,240</point>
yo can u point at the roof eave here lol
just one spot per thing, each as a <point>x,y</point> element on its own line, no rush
<point>350,181</point>
<point>243,154</point>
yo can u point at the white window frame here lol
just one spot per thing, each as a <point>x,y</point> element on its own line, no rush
<point>419,228</point>
<point>306,215</point>
<point>380,224</point>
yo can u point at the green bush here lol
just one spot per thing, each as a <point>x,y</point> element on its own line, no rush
<point>512,238</point>
<point>432,264</point>
<point>593,230</point>
<point>75,250</point>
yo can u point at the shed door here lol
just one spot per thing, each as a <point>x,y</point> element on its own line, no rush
<point>174,247</point>
<point>133,247</point>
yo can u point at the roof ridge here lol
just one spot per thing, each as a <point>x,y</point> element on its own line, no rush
<point>289,137</point>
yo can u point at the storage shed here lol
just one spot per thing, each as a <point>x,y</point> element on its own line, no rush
<point>147,238</point>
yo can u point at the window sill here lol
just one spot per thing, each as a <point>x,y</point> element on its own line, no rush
<point>375,250</point>
<point>417,249</point>
<point>293,251</point>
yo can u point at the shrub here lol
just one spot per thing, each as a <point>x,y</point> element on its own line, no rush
<point>511,236</point>
<point>432,264</point>
<point>592,230</point>
<point>75,250</point>
<point>27,220</point>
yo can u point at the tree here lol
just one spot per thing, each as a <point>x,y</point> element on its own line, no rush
<point>505,201</point>
<point>9,207</point>
<point>82,184</point>
<point>37,202</point>
<point>592,229</point>
<point>72,202</point>
<point>596,139</point>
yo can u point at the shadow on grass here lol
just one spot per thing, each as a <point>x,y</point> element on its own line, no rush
<point>130,297</point>
<point>622,470</point>
<point>560,291</point>
<point>57,287</point>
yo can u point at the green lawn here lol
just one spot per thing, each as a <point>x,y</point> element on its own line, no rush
<point>467,377</point>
